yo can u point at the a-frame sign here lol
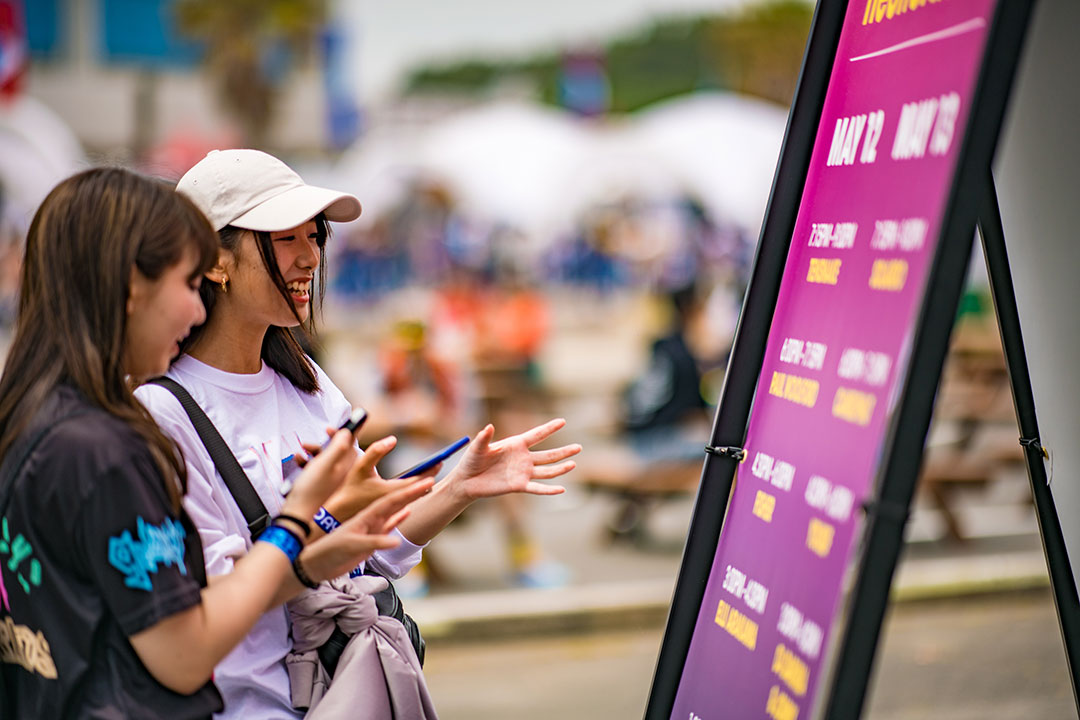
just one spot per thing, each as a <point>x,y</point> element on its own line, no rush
<point>819,433</point>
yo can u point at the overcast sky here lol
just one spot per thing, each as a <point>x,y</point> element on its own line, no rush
<point>393,36</point>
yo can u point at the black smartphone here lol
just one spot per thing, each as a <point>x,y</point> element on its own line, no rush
<point>434,459</point>
<point>352,424</point>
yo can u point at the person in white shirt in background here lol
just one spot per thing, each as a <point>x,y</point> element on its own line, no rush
<point>268,399</point>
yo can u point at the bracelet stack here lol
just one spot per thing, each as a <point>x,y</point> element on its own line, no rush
<point>289,542</point>
<point>304,526</point>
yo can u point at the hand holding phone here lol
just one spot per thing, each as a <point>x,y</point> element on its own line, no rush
<point>435,458</point>
<point>352,424</point>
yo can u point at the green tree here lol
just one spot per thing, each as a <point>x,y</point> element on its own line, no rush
<point>250,44</point>
<point>759,50</point>
<point>756,51</point>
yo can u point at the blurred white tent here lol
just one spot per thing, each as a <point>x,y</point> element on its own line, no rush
<point>539,170</point>
<point>722,147</point>
<point>504,162</point>
<point>37,150</point>
<point>613,168</point>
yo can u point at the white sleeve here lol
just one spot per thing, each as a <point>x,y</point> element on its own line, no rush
<point>223,540</point>
<point>397,561</point>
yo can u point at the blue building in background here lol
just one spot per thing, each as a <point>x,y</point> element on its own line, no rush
<point>128,31</point>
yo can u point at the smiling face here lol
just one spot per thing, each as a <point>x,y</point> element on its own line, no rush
<point>252,290</point>
<point>160,313</point>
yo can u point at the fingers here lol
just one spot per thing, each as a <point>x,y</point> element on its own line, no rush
<point>542,432</point>
<point>480,443</point>
<point>544,457</point>
<point>379,542</point>
<point>323,474</point>
<point>432,472</point>
<point>395,520</point>
<point>369,542</point>
<point>310,451</point>
<point>388,505</point>
<point>547,472</point>
<point>378,450</point>
<point>358,547</point>
<point>339,449</point>
<point>536,488</point>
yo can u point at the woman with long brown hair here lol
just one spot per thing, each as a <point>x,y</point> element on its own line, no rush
<point>105,609</point>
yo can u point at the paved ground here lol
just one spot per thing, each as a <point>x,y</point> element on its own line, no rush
<point>992,657</point>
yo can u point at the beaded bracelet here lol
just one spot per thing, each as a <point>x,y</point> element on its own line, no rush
<point>283,539</point>
<point>302,524</point>
<point>326,521</point>
<point>301,574</point>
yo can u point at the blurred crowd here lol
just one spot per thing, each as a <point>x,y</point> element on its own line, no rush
<point>622,326</point>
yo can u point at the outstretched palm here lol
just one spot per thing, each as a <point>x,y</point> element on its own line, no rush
<point>509,465</point>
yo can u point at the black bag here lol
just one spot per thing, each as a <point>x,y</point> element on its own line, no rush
<point>387,601</point>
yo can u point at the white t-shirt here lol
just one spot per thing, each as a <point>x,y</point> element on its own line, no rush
<point>263,418</point>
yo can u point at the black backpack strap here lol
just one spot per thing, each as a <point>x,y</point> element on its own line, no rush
<point>234,476</point>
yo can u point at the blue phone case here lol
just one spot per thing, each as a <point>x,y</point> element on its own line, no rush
<point>433,460</point>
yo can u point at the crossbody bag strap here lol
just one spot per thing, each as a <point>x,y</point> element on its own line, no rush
<point>235,478</point>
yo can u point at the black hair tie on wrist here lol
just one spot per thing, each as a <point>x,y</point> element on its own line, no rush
<point>301,574</point>
<point>300,523</point>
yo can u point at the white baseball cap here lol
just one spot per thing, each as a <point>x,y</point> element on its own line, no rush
<point>256,191</point>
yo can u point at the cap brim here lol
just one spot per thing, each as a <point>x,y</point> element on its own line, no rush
<point>296,206</point>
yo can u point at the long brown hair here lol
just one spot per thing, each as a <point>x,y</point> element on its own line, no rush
<point>280,349</point>
<point>88,235</point>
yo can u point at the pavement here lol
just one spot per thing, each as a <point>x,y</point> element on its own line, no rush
<point>994,656</point>
<point>618,585</point>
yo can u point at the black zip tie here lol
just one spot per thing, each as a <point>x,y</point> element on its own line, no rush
<point>732,452</point>
<point>1035,445</point>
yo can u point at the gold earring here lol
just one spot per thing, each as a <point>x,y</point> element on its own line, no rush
<point>224,284</point>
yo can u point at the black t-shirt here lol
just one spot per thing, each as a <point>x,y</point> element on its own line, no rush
<point>90,554</point>
<point>669,392</point>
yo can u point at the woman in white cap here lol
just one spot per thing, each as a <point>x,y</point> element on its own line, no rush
<point>268,399</point>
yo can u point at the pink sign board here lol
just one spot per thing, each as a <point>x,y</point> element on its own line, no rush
<point>882,167</point>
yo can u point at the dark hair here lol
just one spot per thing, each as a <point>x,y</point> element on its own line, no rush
<point>84,241</point>
<point>280,349</point>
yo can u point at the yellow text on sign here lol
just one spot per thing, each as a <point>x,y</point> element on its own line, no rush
<point>789,668</point>
<point>738,625</point>
<point>853,406</point>
<point>780,706</point>
<point>888,275</point>
<point>799,390</point>
<point>823,271</point>
<point>819,537</point>
<point>764,504</point>
<point>879,10</point>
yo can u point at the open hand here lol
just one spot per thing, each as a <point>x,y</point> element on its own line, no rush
<point>506,466</point>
